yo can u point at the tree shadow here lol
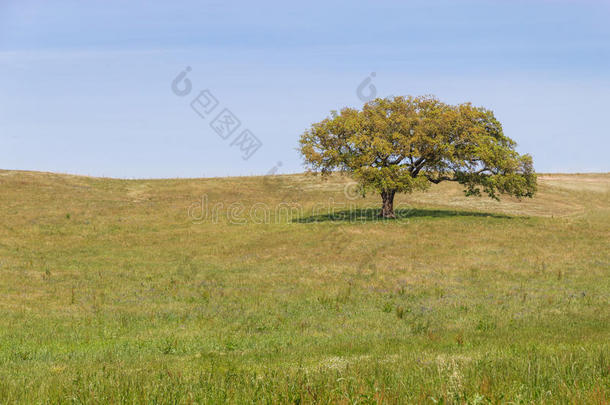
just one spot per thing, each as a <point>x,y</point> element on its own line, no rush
<point>372,215</point>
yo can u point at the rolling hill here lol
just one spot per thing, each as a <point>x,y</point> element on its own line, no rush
<point>290,289</point>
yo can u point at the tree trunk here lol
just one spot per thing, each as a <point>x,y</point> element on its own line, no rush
<point>387,208</point>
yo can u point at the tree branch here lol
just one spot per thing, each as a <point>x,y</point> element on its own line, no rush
<point>417,166</point>
<point>439,179</point>
<point>398,160</point>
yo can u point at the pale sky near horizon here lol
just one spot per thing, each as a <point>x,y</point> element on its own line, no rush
<point>85,87</point>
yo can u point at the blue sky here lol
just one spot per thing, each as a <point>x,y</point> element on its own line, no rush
<point>85,87</point>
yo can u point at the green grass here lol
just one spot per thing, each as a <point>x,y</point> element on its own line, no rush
<point>110,292</point>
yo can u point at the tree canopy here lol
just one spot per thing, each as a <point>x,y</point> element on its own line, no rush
<point>406,143</point>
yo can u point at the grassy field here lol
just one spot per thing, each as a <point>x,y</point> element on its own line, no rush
<point>125,291</point>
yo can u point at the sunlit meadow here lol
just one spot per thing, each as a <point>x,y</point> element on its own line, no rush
<point>123,291</point>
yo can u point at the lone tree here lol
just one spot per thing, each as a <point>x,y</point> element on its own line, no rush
<point>406,143</point>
